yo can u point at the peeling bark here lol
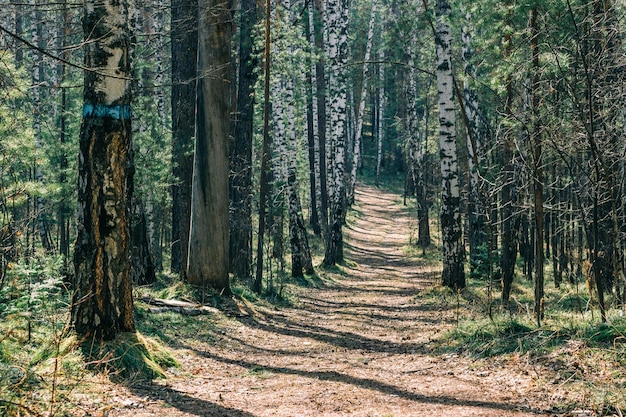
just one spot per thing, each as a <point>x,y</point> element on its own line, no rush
<point>102,304</point>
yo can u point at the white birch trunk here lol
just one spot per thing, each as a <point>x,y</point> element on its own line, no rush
<point>316,146</point>
<point>381,116</point>
<point>337,23</point>
<point>453,253</point>
<point>362,100</point>
<point>476,208</point>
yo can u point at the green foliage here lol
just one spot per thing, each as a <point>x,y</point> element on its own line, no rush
<point>485,262</point>
<point>34,289</point>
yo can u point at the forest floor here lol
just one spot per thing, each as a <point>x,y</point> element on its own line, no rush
<point>358,344</point>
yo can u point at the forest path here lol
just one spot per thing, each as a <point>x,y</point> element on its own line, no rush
<point>358,346</point>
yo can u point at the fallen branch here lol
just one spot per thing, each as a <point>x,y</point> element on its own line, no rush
<point>177,306</point>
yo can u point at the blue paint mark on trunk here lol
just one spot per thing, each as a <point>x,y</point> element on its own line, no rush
<point>117,112</point>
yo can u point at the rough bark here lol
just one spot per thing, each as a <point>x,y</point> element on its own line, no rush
<point>509,218</point>
<point>241,155</point>
<point>207,260</point>
<point>537,167</point>
<point>184,46</point>
<point>102,304</point>
<point>257,285</point>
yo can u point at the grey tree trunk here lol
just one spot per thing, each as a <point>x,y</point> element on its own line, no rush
<point>207,261</point>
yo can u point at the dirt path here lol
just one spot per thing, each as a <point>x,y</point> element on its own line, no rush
<point>356,347</point>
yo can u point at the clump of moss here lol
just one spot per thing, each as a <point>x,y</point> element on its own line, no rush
<point>131,357</point>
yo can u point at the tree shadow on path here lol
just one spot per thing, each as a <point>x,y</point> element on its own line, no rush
<point>184,402</point>
<point>372,384</point>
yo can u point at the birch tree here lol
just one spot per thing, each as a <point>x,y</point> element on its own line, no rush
<point>476,206</point>
<point>102,304</point>
<point>453,253</point>
<point>337,25</point>
<point>356,152</point>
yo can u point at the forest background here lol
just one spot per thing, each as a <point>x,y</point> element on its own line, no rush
<point>505,120</point>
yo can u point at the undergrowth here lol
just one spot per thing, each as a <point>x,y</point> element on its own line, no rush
<point>572,349</point>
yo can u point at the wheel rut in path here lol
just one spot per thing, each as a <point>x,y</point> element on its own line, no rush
<point>358,346</point>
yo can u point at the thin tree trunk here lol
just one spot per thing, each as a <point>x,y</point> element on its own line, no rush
<point>508,216</point>
<point>356,160</point>
<point>312,130</point>
<point>184,71</point>
<point>241,156</point>
<point>537,167</point>
<point>320,78</point>
<point>257,285</point>
<point>476,205</point>
<point>381,116</point>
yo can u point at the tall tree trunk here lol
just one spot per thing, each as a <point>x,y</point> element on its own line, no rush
<point>320,79</point>
<point>537,166</point>
<point>476,205</point>
<point>300,253</point>
<point>257,285</point>
<point>38,75</point>
<point>312,130</point>
<point>356,160</point>
<point>184,71</point>
<point>507,204</point>
<point>278,174</point>
<point>381,116</point>
<point>453,253</point>
<point>337,24</point>
<point>207,261</point>
<point>241,155</point>
<point>63,214</point>
<point>102,304</point>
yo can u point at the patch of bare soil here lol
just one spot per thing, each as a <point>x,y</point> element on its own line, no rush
<point>359,346</point>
